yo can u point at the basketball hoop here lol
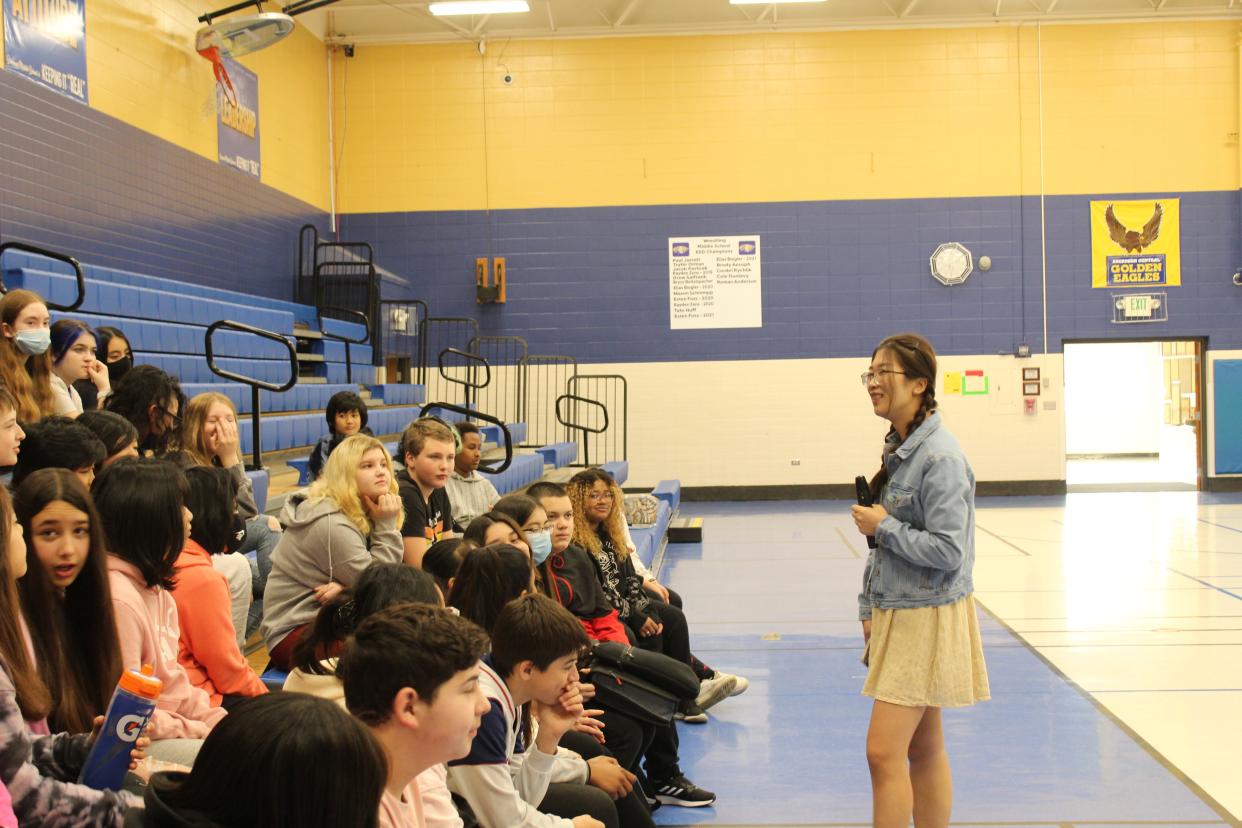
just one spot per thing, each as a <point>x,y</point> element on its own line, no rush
<point>239,36</point>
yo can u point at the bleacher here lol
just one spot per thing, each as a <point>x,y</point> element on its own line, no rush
<point>165,322</point>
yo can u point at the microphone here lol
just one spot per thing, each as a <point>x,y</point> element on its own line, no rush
<point>863,491</point>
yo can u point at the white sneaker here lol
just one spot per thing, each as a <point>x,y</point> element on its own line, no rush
<point>715,689</point>
<point>743,684</point>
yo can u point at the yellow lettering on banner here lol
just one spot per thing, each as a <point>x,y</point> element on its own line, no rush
<point>240,118</point>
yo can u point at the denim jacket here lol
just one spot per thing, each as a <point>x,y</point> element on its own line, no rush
<point>925,551</point>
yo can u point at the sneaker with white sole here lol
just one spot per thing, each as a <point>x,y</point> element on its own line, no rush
<point>743,684</point>
<point>715,689</point>
<point>691,713</point>
<point>679,790</point>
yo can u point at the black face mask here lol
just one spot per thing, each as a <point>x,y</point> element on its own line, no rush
<point>238,536</point>
<point>120,368</point>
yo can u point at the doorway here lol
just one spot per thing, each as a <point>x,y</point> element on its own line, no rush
<point>1133,418</point>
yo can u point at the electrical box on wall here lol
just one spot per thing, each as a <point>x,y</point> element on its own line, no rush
<point>489,289</point>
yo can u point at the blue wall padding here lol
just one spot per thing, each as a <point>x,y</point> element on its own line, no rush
<point>1227,379</point>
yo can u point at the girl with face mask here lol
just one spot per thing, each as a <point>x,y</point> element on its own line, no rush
<point>25,363</point>
<point>113,353</point>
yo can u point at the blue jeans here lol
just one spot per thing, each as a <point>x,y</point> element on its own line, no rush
<point>261,540</point>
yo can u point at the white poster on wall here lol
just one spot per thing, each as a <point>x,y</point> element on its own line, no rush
<point>714,282</point>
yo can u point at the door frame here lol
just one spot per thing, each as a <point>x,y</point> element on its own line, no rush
<point>1200,379</point>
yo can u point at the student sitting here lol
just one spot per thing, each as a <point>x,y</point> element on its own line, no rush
<point>315,664</point>
<point>59,443</point>
<point>470,493</point>
<point>38,771</point>
<point>534,658</point>
<point>210,438</point>
<point>411,674</point>
<point>146,525</point>
<point>334,530</point>
<point>280,761</point>
<point>152,401</point>
<point>427,447</point>
<point>73,359</point>
<point>489,578</point>
<point>570,578</point>
<point>652,624</point>
<point>346,415</point>
<point>11,432</point>
<point>118,435</point>
<point>112,349</point>
<point>208,652</point>
<point>25,365</point>
<point>65,597</point>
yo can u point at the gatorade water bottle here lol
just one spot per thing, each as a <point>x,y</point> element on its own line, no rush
<point>131,707</point>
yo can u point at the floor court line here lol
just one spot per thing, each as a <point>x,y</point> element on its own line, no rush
<point>1205,583</point>
<point>1003,540</point>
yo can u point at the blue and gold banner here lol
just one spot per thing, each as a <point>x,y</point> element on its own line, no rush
<point>45,40</point>
<point>237,118</point>
<point>1136,243</point>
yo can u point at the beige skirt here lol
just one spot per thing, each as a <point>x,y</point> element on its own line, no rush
<point>926,656</point>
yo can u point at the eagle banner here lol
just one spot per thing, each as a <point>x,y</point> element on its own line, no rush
<point>1136,243</point>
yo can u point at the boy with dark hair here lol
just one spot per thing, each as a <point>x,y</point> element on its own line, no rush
<point>470,493</point>
<point>534,657</point>
<point>427,448</point>
<point>411,674</point>
<point>59,443</point>
<point>346,415</point>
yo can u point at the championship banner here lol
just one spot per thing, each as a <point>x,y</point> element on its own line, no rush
<point>1136,243</point>
<point>45,41</point>
<point>237,118</point>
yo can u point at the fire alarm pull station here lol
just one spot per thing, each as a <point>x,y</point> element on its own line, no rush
<point>1028,405</point>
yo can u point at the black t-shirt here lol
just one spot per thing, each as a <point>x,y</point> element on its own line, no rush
<point>429,519</point>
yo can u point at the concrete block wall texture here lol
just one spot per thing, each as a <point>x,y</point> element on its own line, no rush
<point>132,180</point>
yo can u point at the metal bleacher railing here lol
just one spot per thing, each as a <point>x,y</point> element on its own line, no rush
<point>504,355</point>
<point>436,335</point>
<point>542,378</point>
<point>255,384</point>
<point>597,405</point>
<point>333,274</point>
<point>50,254</point>
<point>358,316</point>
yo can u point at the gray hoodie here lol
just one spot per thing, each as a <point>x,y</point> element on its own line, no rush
<point>319,545</point>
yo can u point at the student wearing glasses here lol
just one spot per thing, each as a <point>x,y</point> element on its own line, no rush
<point>152,401</point>
<point>921,635</point>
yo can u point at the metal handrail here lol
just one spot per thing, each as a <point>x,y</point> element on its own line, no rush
<point>366,324</point>
<point>487,370</point>
<point>470,413</point>
<point>255,384</point>
<point>51,254</point>
<point>585,429</point>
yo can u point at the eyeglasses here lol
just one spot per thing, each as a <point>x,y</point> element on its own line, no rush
<point>595,497</point>
<point>176,418</point>
<point>869,376</point>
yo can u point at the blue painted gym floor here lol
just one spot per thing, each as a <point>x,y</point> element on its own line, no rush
<point>771,594</point>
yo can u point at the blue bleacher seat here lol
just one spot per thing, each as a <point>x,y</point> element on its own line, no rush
<point>274,679</point>
<point>670,492</point>
<point>619,469</point>
<point>260,481</point>
<point>647,539</point>
<point>558,455</point>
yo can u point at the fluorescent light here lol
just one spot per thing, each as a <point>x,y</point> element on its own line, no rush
<point>770,2</point>
<point>478,7</point>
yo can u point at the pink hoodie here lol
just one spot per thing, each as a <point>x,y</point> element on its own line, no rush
<point>146,624</point>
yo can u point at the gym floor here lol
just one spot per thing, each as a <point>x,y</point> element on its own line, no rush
<point>1112,630</point>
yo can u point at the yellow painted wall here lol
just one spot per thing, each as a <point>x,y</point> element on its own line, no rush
<point>769,117</point>
<point>143,70</point>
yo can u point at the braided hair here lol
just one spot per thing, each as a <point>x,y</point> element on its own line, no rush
<point>917,359</point>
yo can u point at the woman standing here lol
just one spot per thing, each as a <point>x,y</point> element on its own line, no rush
<point>921,634</point>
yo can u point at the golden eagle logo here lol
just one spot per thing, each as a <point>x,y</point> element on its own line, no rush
<point>1133,241</point>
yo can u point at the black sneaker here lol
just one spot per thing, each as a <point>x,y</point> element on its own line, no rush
<point>678,790</point>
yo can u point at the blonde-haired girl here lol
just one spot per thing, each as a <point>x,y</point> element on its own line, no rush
<point>348,519</point>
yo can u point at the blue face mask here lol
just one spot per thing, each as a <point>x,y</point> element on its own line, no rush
<point>540,546</point>
<point>33,343</point>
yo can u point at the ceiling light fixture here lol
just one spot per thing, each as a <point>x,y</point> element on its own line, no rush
<point>463,7</point>
<point>770,2</point>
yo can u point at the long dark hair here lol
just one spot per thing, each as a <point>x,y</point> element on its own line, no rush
<point>213,502</point>
<point>443,558</point>
<point>279,760</point>
<point>113,430</point>
<point>378,587</point>
<point>917,359</point>
<point>140,388</point>
<point>489,578</point>
<point>74,636</point>
<point>33,698</point>
<point>139,504</point>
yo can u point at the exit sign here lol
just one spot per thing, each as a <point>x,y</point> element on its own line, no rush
<point>1138,306</point>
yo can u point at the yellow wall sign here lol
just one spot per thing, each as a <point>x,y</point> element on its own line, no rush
<point>1136,243</point>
